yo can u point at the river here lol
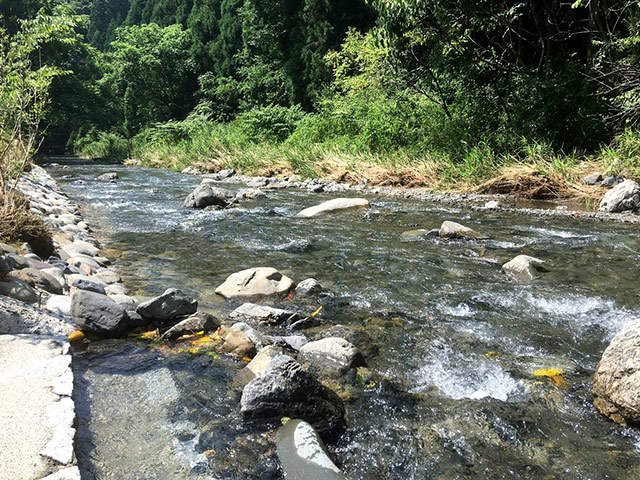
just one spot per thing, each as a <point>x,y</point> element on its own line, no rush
<point>455,340</point>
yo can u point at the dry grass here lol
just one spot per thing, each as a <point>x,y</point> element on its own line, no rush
<point>18,224</point>
<point>530,182</point>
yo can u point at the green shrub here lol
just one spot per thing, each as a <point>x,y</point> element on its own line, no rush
<point>271,124</point>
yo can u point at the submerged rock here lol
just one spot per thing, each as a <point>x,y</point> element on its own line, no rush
<point>287,390</point>
<point>100,315</point>
<point>456,230</point>
<point>168,306</point>
<point>260,281</point>
<point>206,195</point>
<point>624,196</point>
<point>263,314</point>
<point>200,321</point>
<point>108,177</point>
<point>616,383</point>
<point>524,267</point>
<point>335,205</point>
<point>302,453</point>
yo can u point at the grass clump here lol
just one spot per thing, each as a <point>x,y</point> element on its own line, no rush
<point>18,224</point>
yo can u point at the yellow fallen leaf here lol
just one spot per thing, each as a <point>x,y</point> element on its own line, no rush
<point>554,374</point>
<point>246,359</point>
<point>151,334</point>
<point>209,453</point>
<point>317,311</point>
<point>75,336</point>
<point>492,354</point>
<point>202,341</point>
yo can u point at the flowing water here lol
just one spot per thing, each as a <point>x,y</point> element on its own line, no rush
<point>455,340</point>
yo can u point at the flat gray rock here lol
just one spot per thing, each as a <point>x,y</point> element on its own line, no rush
<point>200,321</point>
<point>262,314</point>
<point>332,352</point>
<point>18,289</point>
<point>333,206</point>
<point>100,315</point>
<point>524,268</point>
<point>255,282</point>
<point>206,195</point>
<point>171,304</point>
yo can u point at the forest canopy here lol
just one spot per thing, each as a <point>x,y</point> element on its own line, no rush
<point>464,80</point>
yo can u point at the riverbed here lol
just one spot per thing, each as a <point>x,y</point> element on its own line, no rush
<point>455,341</point>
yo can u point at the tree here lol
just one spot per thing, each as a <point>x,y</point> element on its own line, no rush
<point>150,69</point>
<point>24,86</point>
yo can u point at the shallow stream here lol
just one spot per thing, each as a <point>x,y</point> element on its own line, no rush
<point>456,340</point>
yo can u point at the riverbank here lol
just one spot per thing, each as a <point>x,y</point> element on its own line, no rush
<point>38,418</point>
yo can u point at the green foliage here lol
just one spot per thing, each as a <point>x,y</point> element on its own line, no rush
<point>271,124</point>
<point>148,68</point>
<point>104,145</point>
<point>24,86</point>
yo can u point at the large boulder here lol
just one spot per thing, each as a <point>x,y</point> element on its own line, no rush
<point>206,195</point>
<point>100,315</point>
<point>262,314</point>
<point>455,230</point>
<point>333,353</point>
<point>624,196</point>
<point>332,206</point>
<point>287,390</point>
<point>200,321</point>
<point>523,267</point>
<point>171,304</point>
<point>254,282</point>
<point>616,383</point>
<point>302,453</point>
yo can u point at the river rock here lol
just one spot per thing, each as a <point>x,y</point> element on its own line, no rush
<point>259,340</point>
<point>190,171</point>
<point>60,304</point>
<point>120,298</point>
<point>616,383</point>
<point>106,277</point>
<point>237,343</point>
<point>18,289</point>
<point>82,248</point>
<point>108,177</point>
<point>37,278</point>
<point>206,195</point>
<point>335,205</point>
<point>624,196</point>
<point>592,178</point>
<point>115,289</point>
<point>332,352</point>
<point>260,281</point>
<point>261,361</point>
<point>302,454</point>
<point>309,286</point>
<point>4,248</point>
<point>610,181</point>
<point>492,205</point>
<point>89,286</point>
<point>57,273</point>
<point>171,304</point>
<point>262,314</point>
<point>100,315</point>
<point>293,341</point>
<point>16,262</point>
<point>4,267</point>
<point>455,230</point>
<point>524,267</point>
<point>287,390</point>
<point>18,317</point>
<point>200,321</point>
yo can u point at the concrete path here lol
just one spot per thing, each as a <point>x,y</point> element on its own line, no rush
<point>37,413</point>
